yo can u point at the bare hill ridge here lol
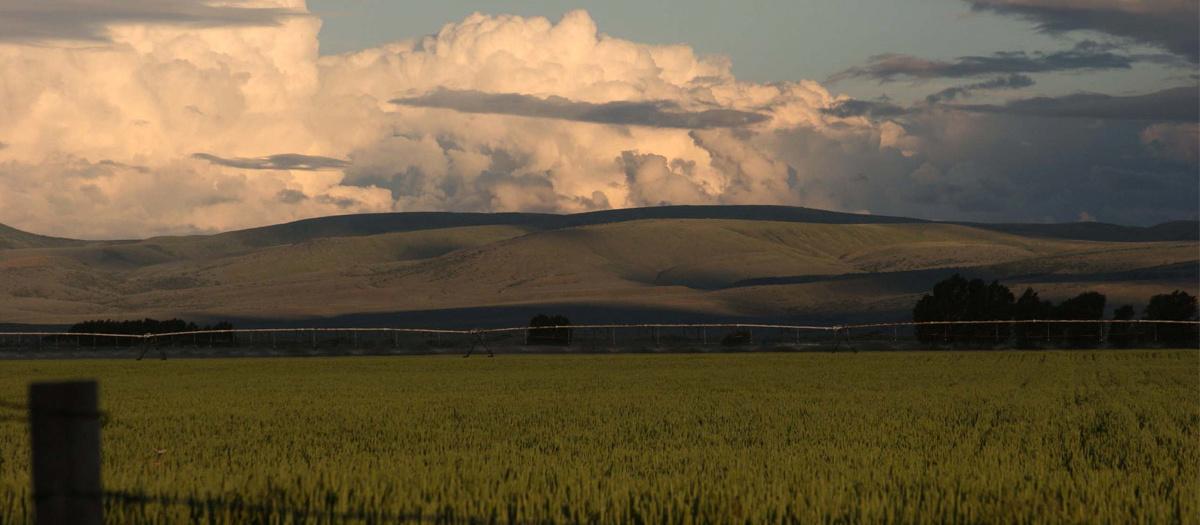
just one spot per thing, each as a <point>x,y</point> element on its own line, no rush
<point>666,263</point>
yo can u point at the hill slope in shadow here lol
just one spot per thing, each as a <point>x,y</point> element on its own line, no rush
<point>668,263</point>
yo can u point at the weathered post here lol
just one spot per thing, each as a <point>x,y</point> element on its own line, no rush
<point>64,424</point>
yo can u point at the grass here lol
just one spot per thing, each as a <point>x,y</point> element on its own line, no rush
<point>681,265</point>
<point>954,437</point>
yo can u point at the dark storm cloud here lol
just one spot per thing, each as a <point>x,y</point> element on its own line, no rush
<point>659,114</point>
<point>864,108</point>
<point>44,20</point>
<point>885,109</point>
<point>340,202</point>
<point>1037,159</point>
<point>992,167</point>
<point>1084,56</point>
<point>1168,24</point>
<point>1180,104</point>
<point>282,161</point>
<point>291,196</point>
<point>1014,81</point>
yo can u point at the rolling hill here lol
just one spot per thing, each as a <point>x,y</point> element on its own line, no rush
<point>667,263</point>
<point>12,238</point>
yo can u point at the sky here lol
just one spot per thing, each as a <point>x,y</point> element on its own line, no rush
<point>135,118</point>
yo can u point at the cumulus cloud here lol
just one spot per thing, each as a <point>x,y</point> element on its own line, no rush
<point>653,113</point>
<point>1085,56</point>
<point>279,161</point>
<point>1180,104</point>
<point>163,128</point>
<point>1169,24</point>
<point>655,181</point>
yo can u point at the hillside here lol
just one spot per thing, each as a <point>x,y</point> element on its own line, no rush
<point>661,263</point>
<point>12,238</point>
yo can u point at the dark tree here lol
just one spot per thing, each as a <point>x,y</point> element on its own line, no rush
<point>1124,313</point>
<point>143,327</point>
<point>1175,306</point>
<point>1087,306</point>
<point>1030,307</point>
<point>957,299</point>
<point>1122,335</point>
<point>537,335</point>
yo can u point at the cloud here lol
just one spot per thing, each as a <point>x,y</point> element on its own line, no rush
<point>654,113</point>
<point>884,109</point>
<point>281,161</point>
<point>290,196</point>
<point>1013,81</point>
<point>89,20</point>
<point>1085,56</point>
<point>991,167</point>
<point>1174,141</point>
<point>618,124</point>
<point>1180,104</point>
<point>1168,24</point>
<point>653,180</point>
<point>864,108</point>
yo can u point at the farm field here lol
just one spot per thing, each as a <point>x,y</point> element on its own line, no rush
<point>1086,436</point>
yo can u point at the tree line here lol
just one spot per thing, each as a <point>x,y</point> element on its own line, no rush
<point>142,327</point>
<point>959,299</point>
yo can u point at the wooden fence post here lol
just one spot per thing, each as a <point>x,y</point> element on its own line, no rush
<point>64,424</point>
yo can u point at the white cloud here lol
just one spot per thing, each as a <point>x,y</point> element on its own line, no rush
<point>222,103</point>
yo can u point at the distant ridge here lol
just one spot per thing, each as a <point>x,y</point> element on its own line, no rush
<point>12,239</point>
<point>380,223</point>
<point>377,223</point>
<point>1099,231</point>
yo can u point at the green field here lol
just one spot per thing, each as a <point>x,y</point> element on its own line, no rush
<point>954,437</point>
